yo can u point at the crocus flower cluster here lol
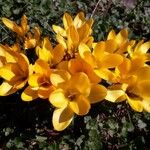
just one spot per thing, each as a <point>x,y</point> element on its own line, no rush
<point>76,71</point>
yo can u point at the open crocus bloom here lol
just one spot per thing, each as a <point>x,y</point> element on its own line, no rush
<point>131,85</point>
<point>14,71</point>
<point>72,96</point>
<point>39,82</point>
<point>100,60</point>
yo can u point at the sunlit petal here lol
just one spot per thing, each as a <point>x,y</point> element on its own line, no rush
<point>58,99</point>
<point>29,94</point>
<point>80,105</point>
<point>57,114</point>
<point>97,93</point>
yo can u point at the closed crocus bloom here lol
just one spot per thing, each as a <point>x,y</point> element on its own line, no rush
<point>39,82</point>
<point>74,32</point>
<point>72,96</point>
<point>21,29</point>
<point>51,55</point>
<point>32,39</point>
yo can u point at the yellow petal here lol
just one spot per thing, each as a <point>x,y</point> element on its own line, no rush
<point>81,82</point>
<point>59,76</point>
<point>59,30</point>
<point>146,104</point>
<point>111,60</point>
<point>78,65</point>
<point>57,98</point>
<point>99,49</point>
<point>136,104</point>
<point>73,35</point>
<point>80,105</point>
<point>6,89</point>
<point>125,66</point>
<point>45,53</point>
<point>143,48</point>
<point>9,71</point>
<point>37,33</point>
<point>63,65</point>
<point>61,40</point>
<point>114,95</point>
<point>122,36</point>
<point>144,88</point>
<point>24,24</point>
<point>29,94</point>
<point>29,43</point>
<point>111,45</point>
<point>67,20</point>
<point>66,114</point>
<point>97,93</point>
<point>85,53</point>
<point>59,126</point>
<point>111,35</point>
<point>44,92</point>
<point>143,73</point>
<point>79,19</point>
<point>13,26</point>
<point>105,74</point>
<point>35,80</point>
<point>83,32</point>
<point>42,67</point>
<point>58,53</point>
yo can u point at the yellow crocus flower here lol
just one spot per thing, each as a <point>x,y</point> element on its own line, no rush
<point>74,32</point>
<point>21,29</point>
<point>131,85</point>
<point>39,82</point>
<point>14,71</point>
<point>49,54</point>
<point>101,61</point>
<point>72,96</point>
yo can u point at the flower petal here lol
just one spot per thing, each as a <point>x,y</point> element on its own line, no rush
<point>122,36</point>
<point>136,104</point>
<point>35,80</point>
<point>29,94</point>
<point>67,21</point>
<point>85,54</point>
<point>58,99</point>
<point>146,104</point>
<point>6,89</point>
<point>97,93</point>
<point>57,114</point>
<point>59,30</point>
<point>114,95</point>
<point>105,74</point>
<point>99,49</point>
<point>13,26</point>
<point>59,76</point>
<point>144,88</point>
<point>81,82</point>
<point>44,92</point>
<point>42,67</point>
<point>112,60</point>
<point>80,105</point>
<point>58,54</point>
<point>111,35</point>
